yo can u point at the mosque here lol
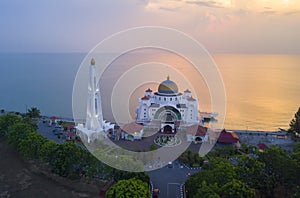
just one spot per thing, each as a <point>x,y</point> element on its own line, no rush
<point>168,107</point>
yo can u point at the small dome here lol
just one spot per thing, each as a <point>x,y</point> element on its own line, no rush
<point>148,90</point>
<point>168,87</point>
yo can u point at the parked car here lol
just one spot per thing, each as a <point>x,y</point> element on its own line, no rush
<point>57,132</point>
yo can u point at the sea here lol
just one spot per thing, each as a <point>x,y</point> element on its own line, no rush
<point>262,90</point>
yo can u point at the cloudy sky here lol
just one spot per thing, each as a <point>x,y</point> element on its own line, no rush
<point>222,26</point>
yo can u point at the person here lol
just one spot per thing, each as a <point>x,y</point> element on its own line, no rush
<point>155,193</point>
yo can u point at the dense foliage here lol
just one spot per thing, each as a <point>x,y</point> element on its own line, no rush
<point>190,158</point>
<point>231,172</point>
<point>68,159</point>
<point>271,173</point>
<point>121,175</point>
<point>6,121</point>
<point>131,188</point>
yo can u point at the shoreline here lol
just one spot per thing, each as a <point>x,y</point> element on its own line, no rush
<point>239,131</point>
<point>279,132</point>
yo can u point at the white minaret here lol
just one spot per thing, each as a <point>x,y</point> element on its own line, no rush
<point>94,118</point>
<point>99,107</point>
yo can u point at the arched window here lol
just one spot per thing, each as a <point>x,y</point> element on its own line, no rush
<point>96,106</point>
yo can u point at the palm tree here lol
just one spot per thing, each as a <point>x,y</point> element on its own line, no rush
<point>295,125</point>
<point>34,112</point>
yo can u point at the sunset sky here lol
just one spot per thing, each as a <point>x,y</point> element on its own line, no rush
<point>222,26</point>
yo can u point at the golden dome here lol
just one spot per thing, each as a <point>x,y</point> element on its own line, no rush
<point>168,87</point>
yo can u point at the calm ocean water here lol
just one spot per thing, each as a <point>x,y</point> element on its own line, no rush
<point>263,91</point>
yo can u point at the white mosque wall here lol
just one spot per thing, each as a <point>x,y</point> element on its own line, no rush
<point>189,114</point>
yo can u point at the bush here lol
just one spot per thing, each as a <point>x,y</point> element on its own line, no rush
<point>191,158</point>
<point>152,147</point>
<point>6,121</point>
<point>129,189</point>
<point>30,146</point>
<point>47,151</point>
<point>18,132</point>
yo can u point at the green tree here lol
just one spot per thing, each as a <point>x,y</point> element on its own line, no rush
<point>224,151</point>
<point>124,175</point>
<point>252,172</point>
<point>47,151</point>
<point>280,169</point>
<point>191,158</point>
<point>204,190</point>
<point>296,156</point>
<point>30,146</point>
<point>94,167</point>
<point>197,160</point>
<point>236,189</point>
<point>247,148</point>
<point>6,121</point>
<point>295,125</point>
<point>219,172</point>
<point>152,147</point>
<point>70,160</point>
<point>88,164</point>
<point>65,159</point>
<point>297,147</point>
<point>34,112</point>
<point>132,188</point>
<point>2,111</point>
<point>17,132</point>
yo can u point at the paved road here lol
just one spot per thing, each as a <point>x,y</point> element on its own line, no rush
<point>169,180</point>
<point>174,190</point>
<point>47,131</point>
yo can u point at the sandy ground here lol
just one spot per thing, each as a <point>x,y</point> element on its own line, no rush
<point>19,178</point>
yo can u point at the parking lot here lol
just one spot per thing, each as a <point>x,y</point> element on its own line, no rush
<point>50,132</point>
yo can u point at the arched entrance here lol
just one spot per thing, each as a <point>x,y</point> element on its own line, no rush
<point>198,140</point>
<point>167,129</point>
<point>168,116</point>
